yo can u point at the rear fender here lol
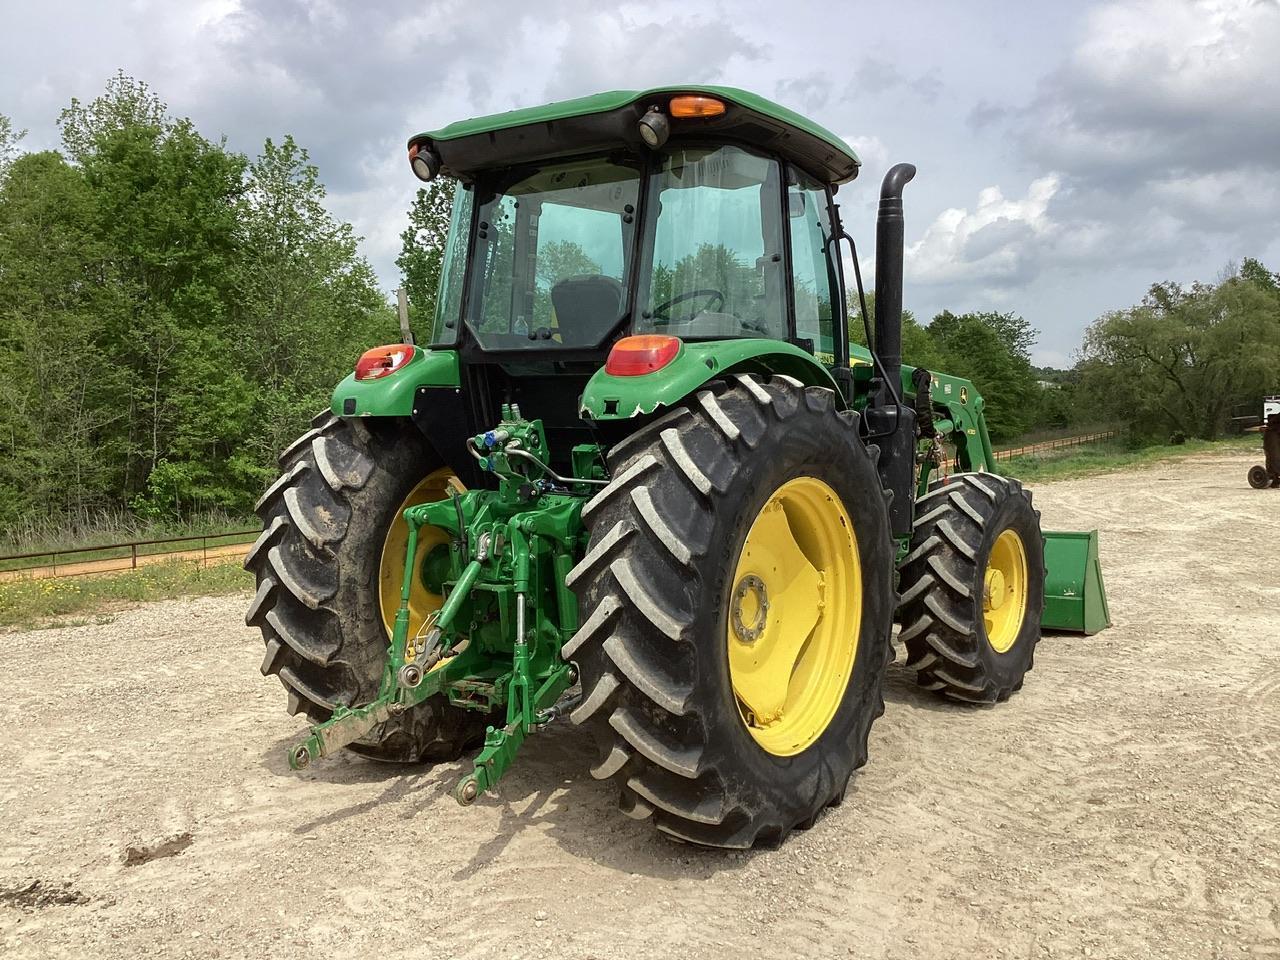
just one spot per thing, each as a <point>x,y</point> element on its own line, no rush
<point>393,395</point>
<point>607,397</point>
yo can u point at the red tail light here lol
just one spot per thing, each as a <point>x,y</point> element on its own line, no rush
<point>382,361</point>
<point>635,356</point>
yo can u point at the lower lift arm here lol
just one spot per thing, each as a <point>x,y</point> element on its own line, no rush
<point>402,686</point>
<point>521,540</point>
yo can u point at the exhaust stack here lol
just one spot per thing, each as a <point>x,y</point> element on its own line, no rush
<point>889,242</point>
<point>891,423</point>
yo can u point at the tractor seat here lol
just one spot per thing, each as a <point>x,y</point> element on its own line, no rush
<point>587,308</point>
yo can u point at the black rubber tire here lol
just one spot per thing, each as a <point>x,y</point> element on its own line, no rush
<point>654,587</point>
<point>942,583</point>
<point>324,523</point>
<point>1259,479</point>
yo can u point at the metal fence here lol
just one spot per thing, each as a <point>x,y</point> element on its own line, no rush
<point>46,564</point>
<point>1057,444</point>
<point>109,557</point>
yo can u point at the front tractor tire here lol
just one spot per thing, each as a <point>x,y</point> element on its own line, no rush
<point>737,596</point>
<point>329,551</point>
<point>972,587</point>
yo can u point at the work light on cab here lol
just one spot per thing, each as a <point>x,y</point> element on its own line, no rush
<point>638,355</point>
<point>654,128</point>
<point>424,162</point>
<point>383,361</point>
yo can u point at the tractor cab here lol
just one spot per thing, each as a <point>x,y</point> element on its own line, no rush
<point>699,214</point>
<point>692,242</point>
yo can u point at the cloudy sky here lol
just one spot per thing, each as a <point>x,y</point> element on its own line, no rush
<point>1070,153</point>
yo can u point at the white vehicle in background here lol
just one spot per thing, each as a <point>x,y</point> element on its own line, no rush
<point>1245,415</point>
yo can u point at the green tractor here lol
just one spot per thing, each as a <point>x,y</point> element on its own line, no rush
<point>640,479</point>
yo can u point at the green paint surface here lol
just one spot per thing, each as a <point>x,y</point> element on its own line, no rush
<point>607,397</point>
<point>1075,599</point>
<point>392,395</point>
<point>509,550</point>
<point>615,99</point>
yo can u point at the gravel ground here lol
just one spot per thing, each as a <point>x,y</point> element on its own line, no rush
<point>1123,805</point>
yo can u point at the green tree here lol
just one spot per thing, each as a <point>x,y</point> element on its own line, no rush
<point>308,304</point>
<point>422,246</point>
<point>9,140</point>
<point>66,399</point>
<point>165,206</point>
<point>170,315</point>
<point>991,349</point>
<point>1254,272</point>
<point>1015,332</point>
<point>1179,360</point>
<point>919,349</point>
<point>126,104</point>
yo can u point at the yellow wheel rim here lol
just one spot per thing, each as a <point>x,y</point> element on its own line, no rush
<point>1004,591</point>
<point>795,611</point>
<point>422,602</point>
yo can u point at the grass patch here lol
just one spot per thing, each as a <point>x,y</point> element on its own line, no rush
<point>32,603</point>
<point>1098,458</point>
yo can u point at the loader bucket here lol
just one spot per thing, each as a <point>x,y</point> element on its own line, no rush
<point>1074,598</point>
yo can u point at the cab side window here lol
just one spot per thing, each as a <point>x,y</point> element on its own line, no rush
<point>813,270</point>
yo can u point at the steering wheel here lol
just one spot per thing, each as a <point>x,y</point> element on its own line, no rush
<point>715,300</point>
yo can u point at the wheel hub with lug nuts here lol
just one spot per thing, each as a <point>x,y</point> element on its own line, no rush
<point>1005,588</point>
<point>749,592</point>
<point>995,594</point>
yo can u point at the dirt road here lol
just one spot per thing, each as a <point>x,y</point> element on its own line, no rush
<point>1125,804</point>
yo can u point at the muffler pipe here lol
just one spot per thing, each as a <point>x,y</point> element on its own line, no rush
<point>889,243</point>
<point>890,421</point>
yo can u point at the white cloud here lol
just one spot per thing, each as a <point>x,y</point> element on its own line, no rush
<point>999,242</point>
<point>614,50</point>
<point>1154,119</point>
<point>1163,137</point>
<point>873,153</point>
<point>1178,57</point>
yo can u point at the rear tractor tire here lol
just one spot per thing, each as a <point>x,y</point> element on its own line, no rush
<point>737,596</point>
<point>330,556</point>
<point>973,587</point>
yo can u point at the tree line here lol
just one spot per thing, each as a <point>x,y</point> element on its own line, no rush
<point>989,348</point>
<point>1179,363</point>
<point>1176,365</point>
<point>171,313</point>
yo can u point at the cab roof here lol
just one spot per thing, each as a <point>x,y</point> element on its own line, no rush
<point>606,120</point>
